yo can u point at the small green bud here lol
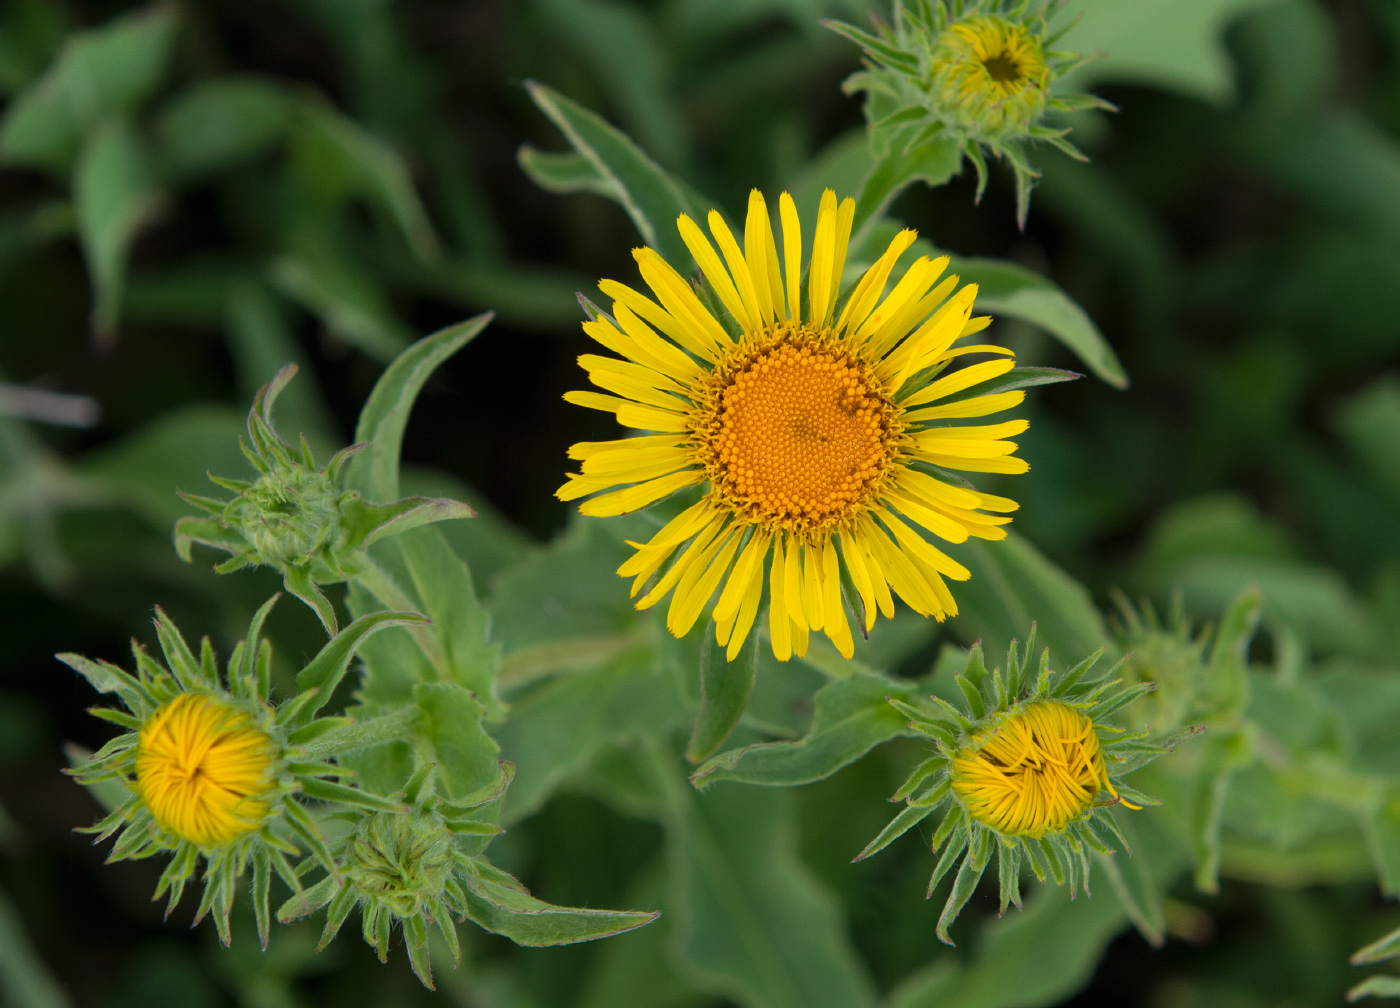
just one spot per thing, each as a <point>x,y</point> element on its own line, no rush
<point>299,519</point>
<point>287,516</point>
<point>979,74</point>
<point>400,861</point>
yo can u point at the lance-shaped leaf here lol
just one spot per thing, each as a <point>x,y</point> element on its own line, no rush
<point>852,717</point>
<point>525,920</point>
<point>308,901</point>
<point>341,794</point>
<point>375,471</point>
<point>651,197</point>
<point>1223,756</point>
<point>366,524</point>
<point>724,694</point>
<point>1008,289</point>
<point>564,174</point>
<point>324,672</point>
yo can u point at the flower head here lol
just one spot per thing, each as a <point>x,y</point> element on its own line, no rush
<point>978,74</point>
<point>201,769</point>
<point>211,768</point>
<point>817,421</point>
<point>409,869</point>
<point>1030,771</point>
<point>296,518</point>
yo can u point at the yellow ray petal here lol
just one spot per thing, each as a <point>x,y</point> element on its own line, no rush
<point>747,611</point>
<point>779,625</point>
<point>682,564</point>
<point>814,597</point>
<point>872,284</point>
<point>685,334</point>
<point>678,299</point>
<point>635,498</point>
<point>587,449</point>
<point>750,566</point>
<point>792,254</point>
<point>836,624</point>
<point>820,269</point>
<point>967,377</point>
<point>761,254</point>
<point>714,270</point>
<point>860,577</point>
<point>699,583</point>
<point>793,592</point>
<point>739,269</point>
<point>976,406</point>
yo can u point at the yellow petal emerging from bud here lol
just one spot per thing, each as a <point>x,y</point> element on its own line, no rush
<point>200,769</point>
<point>1035,774</point>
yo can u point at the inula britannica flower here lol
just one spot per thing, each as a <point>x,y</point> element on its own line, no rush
<point>979,74</point>
<point>210,768</point>
<point>1030,771</point>
<point>817,423</point>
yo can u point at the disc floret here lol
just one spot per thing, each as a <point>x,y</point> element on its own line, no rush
<point>980,74</point>
<point>1028,770</point>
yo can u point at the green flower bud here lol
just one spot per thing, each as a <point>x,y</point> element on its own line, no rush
<point>979,74</point>
<point>299,519</point>
<point>400,861</point>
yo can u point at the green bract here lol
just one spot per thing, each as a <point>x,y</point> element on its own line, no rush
<point>299,519</point>
<point>977,74</point>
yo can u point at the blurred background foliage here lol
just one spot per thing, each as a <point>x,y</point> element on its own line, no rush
<point>194,193</point>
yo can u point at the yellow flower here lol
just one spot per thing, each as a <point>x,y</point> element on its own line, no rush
<point>814,421</point>
<point>993,72</point>
<point>200,768</point>
<point>1035,773</point>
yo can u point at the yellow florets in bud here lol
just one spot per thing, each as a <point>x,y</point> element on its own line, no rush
<point>1035,773</point>
<point>202,770</point>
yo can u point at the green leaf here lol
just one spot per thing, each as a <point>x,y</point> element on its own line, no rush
<point>561,726</point>
<point>1014,584</point>
<point>1138,891</point>
<point>622,47</point>
<point>115,197</point>
<point>1222,755</point>
<point>1040,956</point>
<point>1172,44</point>
<point>1386,947</point>
<point>323,673</point>
<point>375,471</point>
<point>1376,986</point>
<point>219,124</point>
<point>442,584</point>
<point>564,174</point>
<point>1382,830</point>
<point>1005,288</point>
<point>751,923</point>
<point>932,163</point>
<point>103,73</point>
<point>724,694</point>
<point>348,299</point>
<point>343,795</point>
<point>529,921</point>
<point>335,151</point>
<point>467,758</point>
<point>651,197</point>
<point>27,982</point>
<point>852,717</point>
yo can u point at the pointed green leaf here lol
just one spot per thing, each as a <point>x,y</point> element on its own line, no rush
<point>724,694</point>
<point>528,921</point>
<point>324,671</point>
<point>651,197</point>
<point>852,717</point>
<point>375,471</point>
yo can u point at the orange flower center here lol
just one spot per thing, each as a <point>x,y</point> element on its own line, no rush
<point>797,431</point>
